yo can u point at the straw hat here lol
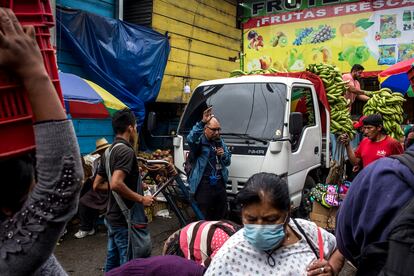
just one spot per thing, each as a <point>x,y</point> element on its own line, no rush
<point>101,144</point>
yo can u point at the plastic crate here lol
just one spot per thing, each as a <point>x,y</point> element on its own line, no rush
<point>43,38</point>
<point>31,12</point>
<point>16,128</point>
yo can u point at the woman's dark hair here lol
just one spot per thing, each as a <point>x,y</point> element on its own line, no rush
<point>16,177</point>
<point>265,186</point>
<point>122,119</point>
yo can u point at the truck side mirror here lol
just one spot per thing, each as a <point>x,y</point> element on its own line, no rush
<point>295,123</point>
<point>151,121</point>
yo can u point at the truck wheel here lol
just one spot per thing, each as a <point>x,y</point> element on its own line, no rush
<point>306,205</point>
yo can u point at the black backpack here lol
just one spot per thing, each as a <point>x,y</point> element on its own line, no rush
<point>396,255</point>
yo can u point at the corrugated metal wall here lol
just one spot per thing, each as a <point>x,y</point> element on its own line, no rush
<point>203,37</point>
<point>138,12</point>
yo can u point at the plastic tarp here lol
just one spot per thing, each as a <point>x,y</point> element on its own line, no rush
<point>126,59</point>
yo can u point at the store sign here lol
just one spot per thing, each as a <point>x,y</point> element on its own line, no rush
<point>375,34</point>
<point>259,8</point>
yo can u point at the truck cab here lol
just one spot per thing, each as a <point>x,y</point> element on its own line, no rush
<point>258,117</point>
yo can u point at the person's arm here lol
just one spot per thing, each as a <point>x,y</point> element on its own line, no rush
<point>351,154</point>
<point>100,183</point>
<point>336,261</point>
<point>20,53</point>
<point>364,97</point>
<point>194,136</point>
<point>357,91</point>
<point>33,231</point>
<point>226,158</point>
<point>398,149</point>
<point>118,185</point>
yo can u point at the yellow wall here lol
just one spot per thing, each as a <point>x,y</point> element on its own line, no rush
<point>203,35</point>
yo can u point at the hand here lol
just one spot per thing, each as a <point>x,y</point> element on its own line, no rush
<point>207,115</point>
<point>147,200</point>
<point>356,168</point>
<point>320,267</point>
<point>344,139</point>
<point>219,152</point>
<point>367,93</point>
<point>171,171</point>
<point>18,48</point>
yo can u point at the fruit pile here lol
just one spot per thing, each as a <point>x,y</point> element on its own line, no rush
<point>155,176</point>
<point>238,72</point>
<point>331,76</point>
<point>389,105</point>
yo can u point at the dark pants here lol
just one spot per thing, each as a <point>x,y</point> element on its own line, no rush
<point>88,217</point>
<point>212,199</point>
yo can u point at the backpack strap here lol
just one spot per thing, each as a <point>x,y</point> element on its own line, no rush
<point>119,201</point>
<point>312,246</point>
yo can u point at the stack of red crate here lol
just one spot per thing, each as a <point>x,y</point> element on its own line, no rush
<point>16,120</point>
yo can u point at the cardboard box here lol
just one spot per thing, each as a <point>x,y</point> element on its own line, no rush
<point>323,217</point>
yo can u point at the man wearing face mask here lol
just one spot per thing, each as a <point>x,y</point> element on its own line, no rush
<point>271,242</point>
<point>125,181</point>
<point>209,174</point>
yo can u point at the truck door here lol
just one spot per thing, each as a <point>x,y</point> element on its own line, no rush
<point>305,149</point>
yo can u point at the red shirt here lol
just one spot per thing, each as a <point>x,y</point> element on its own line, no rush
<point>369,151</point>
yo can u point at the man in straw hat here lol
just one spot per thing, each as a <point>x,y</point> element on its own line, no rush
<point>92,203</point>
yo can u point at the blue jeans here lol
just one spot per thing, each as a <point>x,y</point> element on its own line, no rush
<point>117,247</point>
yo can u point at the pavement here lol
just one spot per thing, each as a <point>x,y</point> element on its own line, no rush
<point>80,257</point>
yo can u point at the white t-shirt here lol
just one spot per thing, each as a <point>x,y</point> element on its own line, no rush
<point>238,257</point>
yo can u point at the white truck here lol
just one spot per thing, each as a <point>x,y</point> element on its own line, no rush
<point>271,124</point>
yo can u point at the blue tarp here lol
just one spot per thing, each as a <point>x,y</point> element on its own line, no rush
<point>126,59</point>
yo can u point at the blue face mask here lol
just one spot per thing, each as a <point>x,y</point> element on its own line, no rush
<point>264,237</point>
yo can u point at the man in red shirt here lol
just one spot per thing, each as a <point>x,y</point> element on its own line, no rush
<point>375,145</point>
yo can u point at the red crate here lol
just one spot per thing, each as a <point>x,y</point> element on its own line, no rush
<point>16,129</point>
<point>16,120</point>
<point>43,38</point>
<point>31,12</point>
<point>49,60</point>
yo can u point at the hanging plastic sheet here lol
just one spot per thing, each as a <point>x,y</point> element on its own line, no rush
<point>126,59</point>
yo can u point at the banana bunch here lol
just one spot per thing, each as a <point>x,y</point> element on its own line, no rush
<point>389,105</point>
<point>331,76</point>
<point>238,72</point>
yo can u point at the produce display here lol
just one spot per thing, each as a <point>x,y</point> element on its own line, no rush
<point>238,72</point>
<point>155,176</point>
<point>389,105</point>
<point>331,76</point>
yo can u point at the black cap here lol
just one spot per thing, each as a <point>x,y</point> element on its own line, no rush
<point>373,120</point>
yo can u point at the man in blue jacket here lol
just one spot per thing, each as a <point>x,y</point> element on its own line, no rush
<point>209,174</point>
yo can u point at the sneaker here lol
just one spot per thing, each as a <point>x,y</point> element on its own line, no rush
<point>81,234</point>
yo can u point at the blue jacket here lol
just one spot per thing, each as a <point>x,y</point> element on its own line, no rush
<point>195,140</point>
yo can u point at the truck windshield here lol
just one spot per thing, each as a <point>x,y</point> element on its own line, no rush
<point>254,110</point>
